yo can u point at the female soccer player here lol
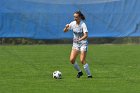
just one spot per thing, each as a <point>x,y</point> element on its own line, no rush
<point>80,43</point>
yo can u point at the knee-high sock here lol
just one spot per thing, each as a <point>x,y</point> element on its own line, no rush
<point>86,67</point>
<point>76,66</point>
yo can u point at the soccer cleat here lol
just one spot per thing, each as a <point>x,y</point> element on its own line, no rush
<point>79,74</point>
<point>89,76</point>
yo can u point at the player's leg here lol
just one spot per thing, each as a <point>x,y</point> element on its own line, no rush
<point>73,56</point>
<point>83,57</point>
<point>83,61</point>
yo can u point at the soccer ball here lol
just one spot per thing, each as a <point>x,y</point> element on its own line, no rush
<point>57,75</point>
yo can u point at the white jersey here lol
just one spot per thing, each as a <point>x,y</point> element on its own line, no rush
<point>78,31</point>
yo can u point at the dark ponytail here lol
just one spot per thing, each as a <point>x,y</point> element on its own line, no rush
<point>80,14</point>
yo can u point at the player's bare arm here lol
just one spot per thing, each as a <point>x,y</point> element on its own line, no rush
<point>85,36</point>
<point>66,28</point>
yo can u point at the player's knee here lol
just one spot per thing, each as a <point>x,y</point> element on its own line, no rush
<point>83,61</point>
<point>72,60</point>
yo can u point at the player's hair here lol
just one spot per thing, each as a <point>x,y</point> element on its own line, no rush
<point>80,14</point>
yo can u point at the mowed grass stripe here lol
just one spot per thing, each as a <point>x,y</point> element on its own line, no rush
<point>28,69</point>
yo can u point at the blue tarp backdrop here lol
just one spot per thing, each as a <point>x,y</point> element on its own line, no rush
<point>45,19</point>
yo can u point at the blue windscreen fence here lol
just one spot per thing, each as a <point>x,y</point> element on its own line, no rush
<point>45,19</point>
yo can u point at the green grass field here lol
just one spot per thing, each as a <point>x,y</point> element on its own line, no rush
<point>28,69</point>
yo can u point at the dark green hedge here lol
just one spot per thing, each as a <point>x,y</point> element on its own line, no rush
<point>26,41</point>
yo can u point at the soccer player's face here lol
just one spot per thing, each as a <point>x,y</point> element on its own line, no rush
<point>77,17</point>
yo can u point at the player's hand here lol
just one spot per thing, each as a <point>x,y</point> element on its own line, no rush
<point>79,40</point>
<point>67,26</point>
<point>76,40</point>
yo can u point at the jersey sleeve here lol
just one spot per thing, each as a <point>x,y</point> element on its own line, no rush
<point>84,28</point>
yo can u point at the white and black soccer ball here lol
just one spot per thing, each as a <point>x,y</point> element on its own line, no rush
<point>57,75</point>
